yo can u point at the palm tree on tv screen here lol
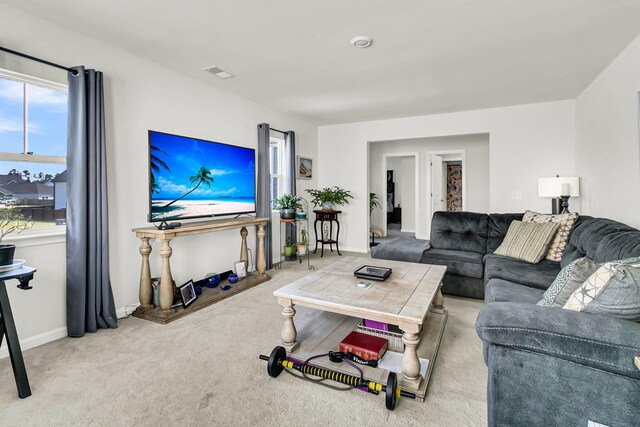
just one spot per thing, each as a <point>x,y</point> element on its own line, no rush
<point>203,176</point>
<point>156,164</point>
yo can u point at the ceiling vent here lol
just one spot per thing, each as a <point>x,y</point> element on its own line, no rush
<point>219,72</point>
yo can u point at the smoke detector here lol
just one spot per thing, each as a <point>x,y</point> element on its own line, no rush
<point>218,72</point>
<point>362,41</point>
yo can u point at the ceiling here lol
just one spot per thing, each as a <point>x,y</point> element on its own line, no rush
<point>428,56</point>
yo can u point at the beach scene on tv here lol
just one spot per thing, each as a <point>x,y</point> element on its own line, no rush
<point>195,178</point>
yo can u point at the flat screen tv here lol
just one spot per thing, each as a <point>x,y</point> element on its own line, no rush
<point>194,178</point>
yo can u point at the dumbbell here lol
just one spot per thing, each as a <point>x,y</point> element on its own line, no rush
<point>278,361</point>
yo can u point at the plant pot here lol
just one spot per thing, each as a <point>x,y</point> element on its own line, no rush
<point>327,206</point>
<point>6,254</point>
<point>302,248</point>
<point>301,215</point>
<point>287,214</point>
<point>288,250</point>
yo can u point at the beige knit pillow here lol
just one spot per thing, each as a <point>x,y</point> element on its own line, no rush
<point>559,242</point>
<point>528,241</point>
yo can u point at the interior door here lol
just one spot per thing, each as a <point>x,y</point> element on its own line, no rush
<point>437,184</point>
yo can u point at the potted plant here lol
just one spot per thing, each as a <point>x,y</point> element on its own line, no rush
<point>329,197</point>
<point>11,221</point>
<point>288,248</point>
<point>287,204</point>
<point>303,244</point>
<point>374,202</point>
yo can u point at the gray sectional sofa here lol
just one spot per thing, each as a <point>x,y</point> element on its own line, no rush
<point>547,365</point>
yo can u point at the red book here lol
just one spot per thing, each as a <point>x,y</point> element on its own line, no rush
<point>364,346</point>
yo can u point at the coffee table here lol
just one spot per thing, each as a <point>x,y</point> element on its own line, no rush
<point>410,298</point>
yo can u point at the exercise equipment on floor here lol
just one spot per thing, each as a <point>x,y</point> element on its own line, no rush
<point>277,362</point>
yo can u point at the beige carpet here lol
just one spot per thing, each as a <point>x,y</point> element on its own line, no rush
<point>204,370</point>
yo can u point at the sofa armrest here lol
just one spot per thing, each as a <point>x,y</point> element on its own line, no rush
<point>597,341</point>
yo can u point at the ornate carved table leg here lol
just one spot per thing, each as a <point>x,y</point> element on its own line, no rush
<point>261,263</point>
<point>438,302</point>
<point>166,280</point>
<point>410,361</point>
<point>146,291</point>
<point>244,252</point>
<point>289,332</point>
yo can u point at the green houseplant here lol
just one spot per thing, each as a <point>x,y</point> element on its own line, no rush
<point>287,205</point>
<point>11,221</point>
<point>374,202</point>
<point>329,197</point>
<point>288,248</point>
<point>303,244</point>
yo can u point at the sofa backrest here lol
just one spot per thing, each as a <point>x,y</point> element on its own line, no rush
<point>601,240</point>
<point>462,231</point>
<point>498,226</point>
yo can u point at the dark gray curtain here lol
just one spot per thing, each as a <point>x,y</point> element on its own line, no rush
<point>89,297</point>
<point>263,198</point>
<point>289,175</point>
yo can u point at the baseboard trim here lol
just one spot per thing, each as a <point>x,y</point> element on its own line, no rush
<point>407,230</point>
<point>56,334</point>
<point>36,340</point>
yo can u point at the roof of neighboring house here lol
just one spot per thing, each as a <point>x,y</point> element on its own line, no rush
<point>27,188</point>
<point>8,179</point>
<point>61,177</point>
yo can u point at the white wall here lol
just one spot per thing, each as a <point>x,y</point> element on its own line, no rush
<point>404,180</point>
<point>139,96</point>
<point>476,148</point>
<point>607,154</point>
<point>526,142</point>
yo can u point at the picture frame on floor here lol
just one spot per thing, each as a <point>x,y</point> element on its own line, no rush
<point>187,294</point>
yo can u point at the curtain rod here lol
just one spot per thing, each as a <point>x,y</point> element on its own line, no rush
<point>33,58</point>
<point>278,130</point>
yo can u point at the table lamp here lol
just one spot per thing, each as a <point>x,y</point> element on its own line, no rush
<point>560,189</point>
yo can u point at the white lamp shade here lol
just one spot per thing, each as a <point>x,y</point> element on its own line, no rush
<point>552,187</point>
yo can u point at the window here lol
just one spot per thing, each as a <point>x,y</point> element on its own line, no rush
<point>33,147</point>
<point>275,159</point>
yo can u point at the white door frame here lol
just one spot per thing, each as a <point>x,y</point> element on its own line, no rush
<point>416,167</point>
<point>447,156</point>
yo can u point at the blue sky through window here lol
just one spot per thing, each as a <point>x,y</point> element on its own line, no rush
<point>47,125</point>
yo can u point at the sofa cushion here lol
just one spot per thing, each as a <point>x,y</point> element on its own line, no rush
<point>527,241</point>
<point>601,240</point>
<point>461,263</point>
<point>463,286</point>
<point>401,249</point>
<point>560,240</point>
<point>570,278</point>
<point>613,290</point>
<point>498,290</point>
<point>463,231</point>
<point>539,275</point>
<point>497,228</point>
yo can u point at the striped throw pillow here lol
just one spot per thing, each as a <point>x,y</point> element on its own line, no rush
<point>528,241</point>
<point>559,242</point>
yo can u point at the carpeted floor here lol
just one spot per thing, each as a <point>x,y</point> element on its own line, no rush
<point>204,370</point>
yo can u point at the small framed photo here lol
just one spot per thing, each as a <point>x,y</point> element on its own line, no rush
<point>241,269</point>
<point>187,294</point>
<point>305,167</point>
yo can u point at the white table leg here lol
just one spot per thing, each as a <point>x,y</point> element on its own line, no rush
<point>410,361</point>
<point>289,332</point>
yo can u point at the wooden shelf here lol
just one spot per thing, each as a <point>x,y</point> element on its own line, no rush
<point>209,296</point>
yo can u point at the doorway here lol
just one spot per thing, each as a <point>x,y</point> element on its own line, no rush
<point>447,178</point>
<point>401,202</point>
